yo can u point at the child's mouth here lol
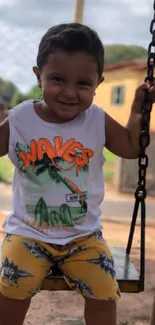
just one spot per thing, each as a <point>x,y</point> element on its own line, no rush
<point>67,103</point>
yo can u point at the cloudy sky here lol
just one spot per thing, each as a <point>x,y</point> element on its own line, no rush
<point>23,22</point>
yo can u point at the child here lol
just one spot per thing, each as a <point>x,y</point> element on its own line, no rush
<point>56,145</point>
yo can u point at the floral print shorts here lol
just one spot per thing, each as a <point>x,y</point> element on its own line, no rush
<point>85,265</point>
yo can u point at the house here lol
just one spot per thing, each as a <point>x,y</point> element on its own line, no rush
<point>117,91</point>
<point>115,95</point>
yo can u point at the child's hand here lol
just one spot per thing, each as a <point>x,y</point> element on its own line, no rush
<point>139,96</point>
<point>152,91</point>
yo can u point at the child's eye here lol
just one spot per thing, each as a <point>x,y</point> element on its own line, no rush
<point>84,83</point>
<point>58,79</point>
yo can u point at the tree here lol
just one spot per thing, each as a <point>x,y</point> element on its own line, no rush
<point>7,91</point>
<point>34,93</point>
<point>17,98</point>
<point>118,53</point>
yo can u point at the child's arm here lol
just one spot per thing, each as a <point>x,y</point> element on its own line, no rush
<point>124,141</point>
<point>4,137</point>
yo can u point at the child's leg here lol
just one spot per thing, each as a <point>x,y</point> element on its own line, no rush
<point>100,312</point>
<point>25,264</point>
<point>153,314</point>
<point>90,271</point>
<point>13,311</point>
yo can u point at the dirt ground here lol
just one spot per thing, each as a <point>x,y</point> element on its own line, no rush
<point>66,308</point>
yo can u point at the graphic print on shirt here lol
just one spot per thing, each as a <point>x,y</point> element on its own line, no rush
<point>59,166</point>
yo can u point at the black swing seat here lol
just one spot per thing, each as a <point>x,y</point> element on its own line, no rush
<point>126,273</point>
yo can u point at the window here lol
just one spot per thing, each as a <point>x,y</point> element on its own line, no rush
<point>118,95</point>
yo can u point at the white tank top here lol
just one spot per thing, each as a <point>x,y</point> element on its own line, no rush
<point>58,181</point>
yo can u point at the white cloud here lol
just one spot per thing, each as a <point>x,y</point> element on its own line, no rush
<point>6,2</point>
<point>24,22</point>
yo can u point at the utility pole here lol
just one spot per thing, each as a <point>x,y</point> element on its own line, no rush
<point>79,11</point>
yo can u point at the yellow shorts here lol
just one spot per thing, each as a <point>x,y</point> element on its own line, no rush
<point>86,264</point>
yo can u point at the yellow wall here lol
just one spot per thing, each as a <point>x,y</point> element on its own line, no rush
<point>129,78</point>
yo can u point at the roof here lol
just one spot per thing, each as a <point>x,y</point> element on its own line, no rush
<point>135,64</point>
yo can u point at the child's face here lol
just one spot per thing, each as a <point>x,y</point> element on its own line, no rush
<point>68,82</point>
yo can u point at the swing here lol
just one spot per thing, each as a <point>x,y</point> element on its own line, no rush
<point>129,279</point>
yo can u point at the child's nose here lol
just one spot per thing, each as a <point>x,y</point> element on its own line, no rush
<point>69,92</point>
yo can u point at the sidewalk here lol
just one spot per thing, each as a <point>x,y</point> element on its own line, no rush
<point>110,193</point>
<point>115,206</point>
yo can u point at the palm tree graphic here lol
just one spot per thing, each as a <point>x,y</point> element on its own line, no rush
<point>42,215</point>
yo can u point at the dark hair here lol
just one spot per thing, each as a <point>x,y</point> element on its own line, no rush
<point>71,38</point>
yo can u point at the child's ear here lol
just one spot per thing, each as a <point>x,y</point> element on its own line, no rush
<point>100,80</point>
<point>36,71</point>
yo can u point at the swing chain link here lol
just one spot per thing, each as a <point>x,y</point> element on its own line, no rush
<point>144,140</point>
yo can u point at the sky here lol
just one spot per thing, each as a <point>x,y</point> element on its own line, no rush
<point>23,23</point>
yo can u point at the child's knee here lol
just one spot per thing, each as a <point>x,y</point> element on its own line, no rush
<point>100,304</point>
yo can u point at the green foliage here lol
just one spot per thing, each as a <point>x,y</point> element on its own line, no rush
<point>18,98</point>
<point>6,170</point>
<point>117,53</point>
<point>108,175</point>
<point>109,167</point>
<point>7,91</point>
<point>109,156</point>
<point>34,93</point>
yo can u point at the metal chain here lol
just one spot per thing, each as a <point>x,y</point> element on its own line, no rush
<point>140,193</point>
<point>144,141</point>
